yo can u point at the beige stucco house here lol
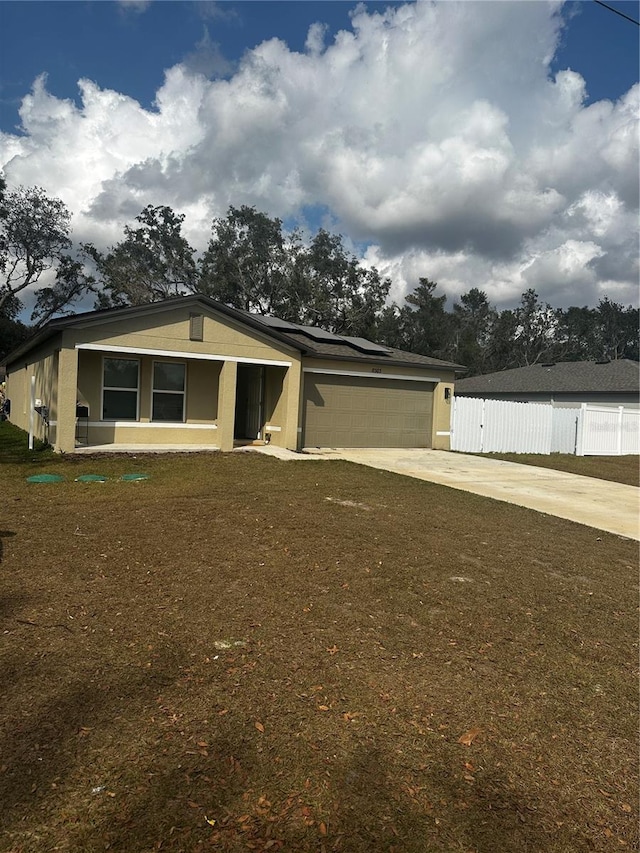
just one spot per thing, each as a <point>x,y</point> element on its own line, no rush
<point>191,372</point>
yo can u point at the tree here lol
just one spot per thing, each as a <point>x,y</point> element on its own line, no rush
<point>12,334</point>
<point>616,330</point>
<point>153,262</point>
<point>424,322</point>
<point>535,335</point>
<point>577,334</point>
<point>71,284</point>
<point>389,332</point>
<point>472,327</point>
<point>252,265</point>
<point>248,263</point>
<point>501,354</point>
<point>334,291</point>
<point>34,238</point>
<point>12,331</point>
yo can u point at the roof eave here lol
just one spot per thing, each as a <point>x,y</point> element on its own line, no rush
<point>394,362</point>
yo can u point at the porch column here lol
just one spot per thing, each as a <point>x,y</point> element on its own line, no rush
<point>291,391</point>
<point>226,405</point>
<point>66,401</point>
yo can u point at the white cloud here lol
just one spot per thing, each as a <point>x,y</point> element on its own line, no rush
<point>136,6</point>
<point>207,58</point>
<point>433,132</point>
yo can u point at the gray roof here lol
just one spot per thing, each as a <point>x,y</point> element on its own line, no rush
<point>345,351</point>
<point>563,377</point>
<point>305,339</point>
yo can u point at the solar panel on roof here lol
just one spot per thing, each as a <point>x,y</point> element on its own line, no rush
<point>366,346</point>
<point>318,334</point>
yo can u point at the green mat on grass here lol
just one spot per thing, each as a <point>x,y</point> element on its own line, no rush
<point>45,478</point>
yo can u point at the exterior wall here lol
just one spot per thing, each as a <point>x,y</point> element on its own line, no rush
<point>278,402</point>
<point>42,364</point>
<point>274,405</point>
<point>288,408</point>
<point>65,440</point>
<point>90,382</point>
<point>17,383</point>
<point>169,331</point>
<point>211,370</point>
<point>442,379</point>
<point>442,411</point>
<point>201,405</point>
<point>203,378</point>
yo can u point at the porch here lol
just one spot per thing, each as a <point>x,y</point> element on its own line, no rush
<point>158,402</point>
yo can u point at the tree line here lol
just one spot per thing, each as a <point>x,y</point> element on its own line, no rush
<point>253,264</point>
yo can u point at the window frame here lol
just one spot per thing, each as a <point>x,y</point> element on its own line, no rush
<point>155,391</point>
<point>135,390</point>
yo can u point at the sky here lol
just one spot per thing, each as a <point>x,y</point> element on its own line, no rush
<point>478,144</point>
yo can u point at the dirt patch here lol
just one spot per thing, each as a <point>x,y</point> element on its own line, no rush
<point>218,658</point>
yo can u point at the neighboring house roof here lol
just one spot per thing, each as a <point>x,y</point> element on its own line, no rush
<point>311,341</point>
<point>565,377</point>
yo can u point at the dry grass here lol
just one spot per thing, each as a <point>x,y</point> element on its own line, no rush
<point>222,659</point>
<point>620,469</point>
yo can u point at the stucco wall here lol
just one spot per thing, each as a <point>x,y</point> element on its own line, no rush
<point>169,331</point>
<point>43,365</point>
<point>442,408</point>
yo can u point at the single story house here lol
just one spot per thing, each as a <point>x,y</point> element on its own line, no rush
<point>193,372</point>
<point>564,384</point>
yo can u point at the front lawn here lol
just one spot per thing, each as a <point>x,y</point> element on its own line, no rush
<point>245,654</point>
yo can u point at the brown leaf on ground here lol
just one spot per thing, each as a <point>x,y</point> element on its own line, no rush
<point>468,737</point>
<point>259,726</point>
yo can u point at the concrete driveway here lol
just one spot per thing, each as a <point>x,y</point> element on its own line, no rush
<point>597,503</point>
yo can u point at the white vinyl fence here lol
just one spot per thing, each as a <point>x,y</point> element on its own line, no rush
<point>608,431</point>
<point>500,426</point>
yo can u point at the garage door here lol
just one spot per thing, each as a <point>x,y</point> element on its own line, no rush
<point>350,411</point>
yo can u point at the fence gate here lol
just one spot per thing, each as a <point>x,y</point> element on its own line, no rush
<point>499,426</point>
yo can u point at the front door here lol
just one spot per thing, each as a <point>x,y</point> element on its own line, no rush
<point>249,394</point>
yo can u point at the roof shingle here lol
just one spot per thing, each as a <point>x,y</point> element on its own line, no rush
<point>577,377</point>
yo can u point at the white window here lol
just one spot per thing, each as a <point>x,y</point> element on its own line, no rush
<point>120,384</point>
<point>168,391</point>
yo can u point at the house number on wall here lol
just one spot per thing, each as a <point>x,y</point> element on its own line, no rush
<point>376,370</point>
